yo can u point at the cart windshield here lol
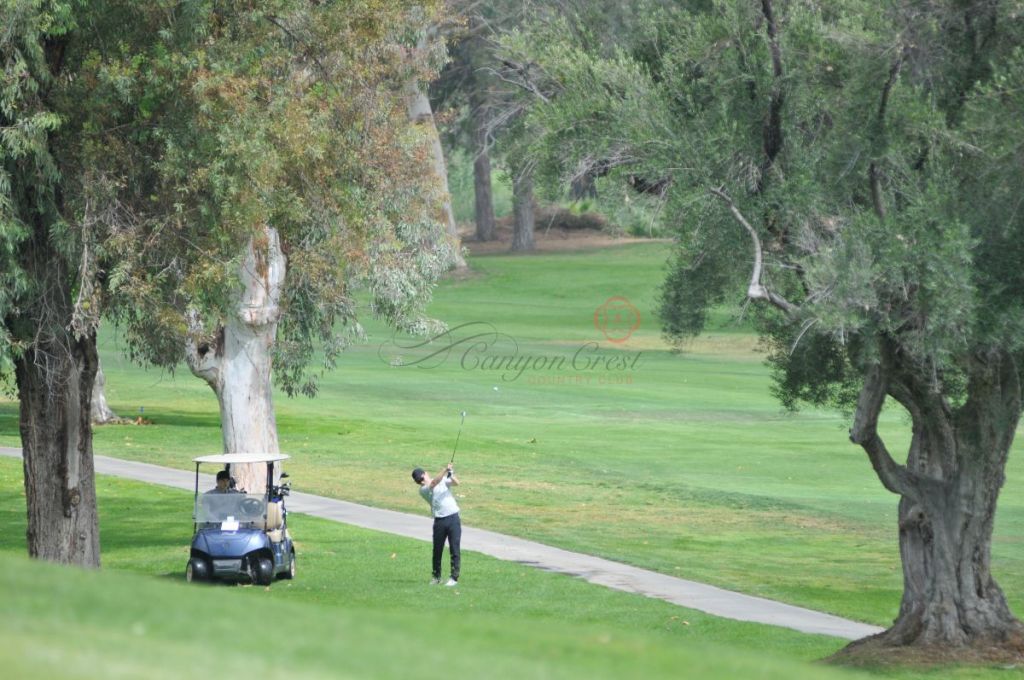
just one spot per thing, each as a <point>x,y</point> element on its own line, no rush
<point>246,509</point>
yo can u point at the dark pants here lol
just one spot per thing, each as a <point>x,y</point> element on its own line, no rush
<point>447,528</point>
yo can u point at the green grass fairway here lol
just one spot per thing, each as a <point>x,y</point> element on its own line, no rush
<point>685,464</point>
<point>360,608</point>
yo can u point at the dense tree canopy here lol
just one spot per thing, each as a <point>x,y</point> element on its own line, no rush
<point>179,129</point>
<point>855,167</point>
<point>151,150</point>
<point>289,115</point>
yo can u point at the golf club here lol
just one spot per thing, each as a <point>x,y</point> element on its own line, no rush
<point>462,421</point>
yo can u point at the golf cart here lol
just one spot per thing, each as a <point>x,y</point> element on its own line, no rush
<point>240,536</point>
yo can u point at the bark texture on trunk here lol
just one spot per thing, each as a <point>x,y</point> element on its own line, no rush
<point>236,360</point>
<point>583,187</point>
<point>55,387</point>
<point>421,113</point>
<point>522,205</point>
<point>483,195</point>
<point>101,411</point>
<point>948,492</point>
<point>55,372</point>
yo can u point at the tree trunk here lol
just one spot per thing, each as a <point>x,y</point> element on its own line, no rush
<point>950,597</point>
<point>583,187</point>
<point>522,203</point>
<point>421,113</point>
<point>236,361</point>
<point>483,196</point>
<point>101,411</point>
<point>54,371</point>
<point>954,472</point>
<point>55,387</point>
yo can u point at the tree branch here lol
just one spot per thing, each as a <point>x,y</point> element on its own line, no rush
<point>894,73</point>
<point>1011,383</point>
<point>894,477</point>
<point>903,394</point>
<point>773,124</point>
<point>305,43</point>
<point>202,353</point>
<point>524,80</point>
<point>756,290</point>
<point>773,37</point>
<point>874,176</point>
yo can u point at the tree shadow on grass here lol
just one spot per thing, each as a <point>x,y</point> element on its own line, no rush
<point>133,515</point>
<point>126,534</point>
<point>167,417</point>
<point>9,419</point>
<point>117,534</point>
<point>12,530</point>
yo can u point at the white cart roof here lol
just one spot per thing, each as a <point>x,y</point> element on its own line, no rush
<point>233,458</point>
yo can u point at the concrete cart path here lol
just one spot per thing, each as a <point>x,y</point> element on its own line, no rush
<point>604,572</point>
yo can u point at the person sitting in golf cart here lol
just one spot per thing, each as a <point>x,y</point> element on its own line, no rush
<point>223,483</point>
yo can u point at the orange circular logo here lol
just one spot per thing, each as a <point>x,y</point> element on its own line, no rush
<point>617,318</point>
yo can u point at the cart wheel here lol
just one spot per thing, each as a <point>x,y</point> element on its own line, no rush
<point>196,570</point>
<point>290,574</point>
<point>264,571</point>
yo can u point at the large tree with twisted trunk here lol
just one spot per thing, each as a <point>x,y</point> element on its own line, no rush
<point>856,169</point>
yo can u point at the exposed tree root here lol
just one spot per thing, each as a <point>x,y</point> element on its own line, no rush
<point>878,650</point>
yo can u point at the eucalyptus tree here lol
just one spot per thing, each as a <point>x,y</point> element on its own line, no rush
<point>217,178</point>
<point>100,411</point>
<point>855,168</point>
<point>421,112</point>
<point>294,164</point>
<point>462,91</point>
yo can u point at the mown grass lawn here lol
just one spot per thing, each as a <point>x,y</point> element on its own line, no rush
<point>359,608</point>
<point>684,464</point>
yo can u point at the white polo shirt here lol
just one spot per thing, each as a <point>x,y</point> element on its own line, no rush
<point>442,501</point>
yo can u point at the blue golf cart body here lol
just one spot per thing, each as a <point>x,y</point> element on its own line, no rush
<point>241,536</point>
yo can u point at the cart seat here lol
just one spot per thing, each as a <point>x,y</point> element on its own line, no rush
<point>278,535</point>
<point>275,516</point>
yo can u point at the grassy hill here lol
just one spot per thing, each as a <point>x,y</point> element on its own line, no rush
<point>684,464</point>
<point>360,608</point>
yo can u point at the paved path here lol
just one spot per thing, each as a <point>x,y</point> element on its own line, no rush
<point>616,575</point>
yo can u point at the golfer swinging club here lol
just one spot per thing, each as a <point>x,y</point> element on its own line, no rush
<point>436,491</point>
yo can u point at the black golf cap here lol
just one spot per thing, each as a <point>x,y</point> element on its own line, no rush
<point>418,474</point>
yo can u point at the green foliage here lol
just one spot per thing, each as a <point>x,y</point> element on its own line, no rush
<point>795,144</point>
<point>993,167</point>
<point>699,276</point>
<point>460,184</point>
<point>186,128</point>
<point>28,169</point>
